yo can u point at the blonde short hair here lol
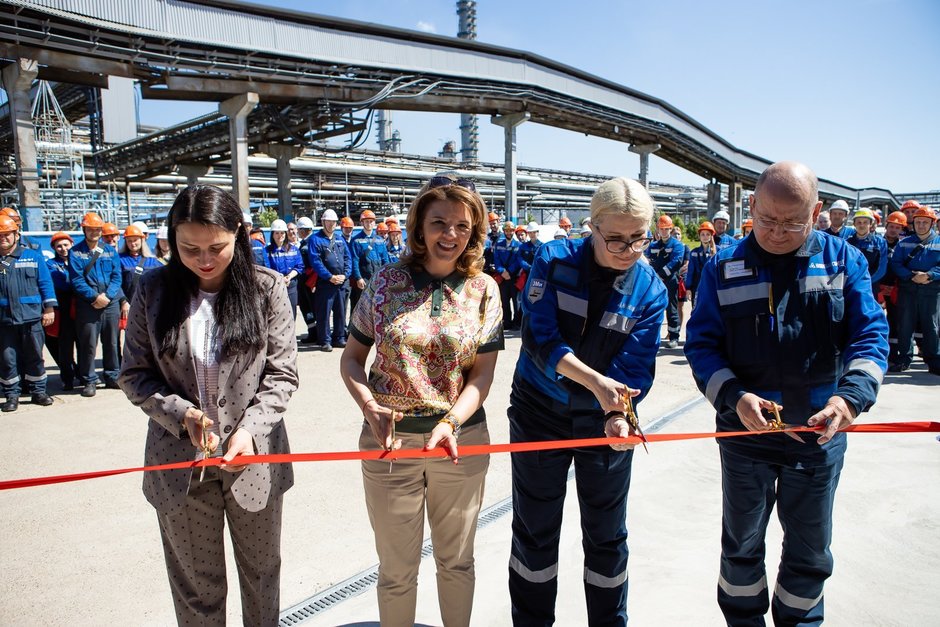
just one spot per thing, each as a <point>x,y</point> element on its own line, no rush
<point>622,196</point>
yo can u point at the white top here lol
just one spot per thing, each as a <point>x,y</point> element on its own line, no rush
<point>204,342</point>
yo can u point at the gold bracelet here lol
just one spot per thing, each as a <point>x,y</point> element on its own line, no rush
<point>453,421</point>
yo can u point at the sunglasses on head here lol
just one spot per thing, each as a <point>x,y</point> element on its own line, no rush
<point>444,181</point>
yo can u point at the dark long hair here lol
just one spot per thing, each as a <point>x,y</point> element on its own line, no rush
<point>239,308</point>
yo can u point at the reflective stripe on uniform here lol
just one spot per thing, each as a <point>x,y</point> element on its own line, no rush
<point>822,283</point>
<point>30,377</point>
<point>791,600</point>
<point>617,322</point>
<point>12,381</point>
<point>734,295</point>
<point>601,581</point>
<point>572,304</point>
<point>868,367</point>
<point>750,590</point>
<point>534,576</point>
<point>716,381</point>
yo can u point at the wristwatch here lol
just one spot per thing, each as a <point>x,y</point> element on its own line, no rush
<point>453,422</point>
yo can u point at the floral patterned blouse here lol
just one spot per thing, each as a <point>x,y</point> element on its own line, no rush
<point>427,333</point>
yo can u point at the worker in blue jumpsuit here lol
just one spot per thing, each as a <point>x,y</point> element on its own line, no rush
<point>504,261</point>
<point>667,255</point>
<point>591,318</point>
<point>871,245</point>
<point>916,263</point>
<point>723,237</point>
<point>838,213</point>
<point>369,253</point>
<point>787,317</point>
<point>329,256</point>
<point>699,256</point>
<point>27,302</point>
<point>95,274</point>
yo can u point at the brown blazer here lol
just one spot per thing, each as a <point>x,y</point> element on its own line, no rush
<point>253,393</point>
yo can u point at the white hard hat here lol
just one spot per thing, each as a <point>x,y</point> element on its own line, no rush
<point>246,218</point>
<point>585,230</point>
<point>305,223</point>
<point>561,234</point>
<point>163,232</point>
<point>329,214</point>
<point>279,226</point>
<point>840,205</point>
<point>532,227</point>
<point>143,227</point>
<point>721,215</point>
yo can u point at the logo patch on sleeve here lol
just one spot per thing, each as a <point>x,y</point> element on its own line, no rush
<point>536,290</point>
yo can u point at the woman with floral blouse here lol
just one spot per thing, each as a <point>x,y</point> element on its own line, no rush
<point>435,321</point>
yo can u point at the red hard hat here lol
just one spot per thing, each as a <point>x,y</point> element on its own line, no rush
<point>564,222</point>
<point>664,222</point>
<point>59,235</point>
<point>110,229</point>
<point>925,212</point>
<point>897,217</point>
<point>707,226</point>
<point>367,215</point>
<point>910,204</point>
<point>92,220</point>
<point>8,224</point>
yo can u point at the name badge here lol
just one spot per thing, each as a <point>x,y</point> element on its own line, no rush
<point>736,270</point>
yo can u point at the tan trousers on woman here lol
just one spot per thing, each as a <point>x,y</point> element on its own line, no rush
<point>396,500</point>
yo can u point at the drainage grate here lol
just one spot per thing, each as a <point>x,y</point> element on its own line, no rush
<point>366,580</point>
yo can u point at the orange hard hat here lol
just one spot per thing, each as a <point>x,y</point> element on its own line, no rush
<point>258,236</point>
<point>664,222</point>
<point>508,225</point>
<point>493,217</point>
<point>384,228</point>
<point>925,212</point>
<point>520,228</point>
<point>394,228</point>
<point>346,222</point>
<point>8,224</point>
<point>564,222</point>
<point>110,229</point>
<point>367,215</point>
<point>897,217</point>
<point>391,220</point>
<point>910,204</point>
<point>12,213</point>
<point>748,222</point>
<point>706,226</point>
<point>877,215</point>
<point>92,220</point>
<point>133,231</point>
<point>58,235</point>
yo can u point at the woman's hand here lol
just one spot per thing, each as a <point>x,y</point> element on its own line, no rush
<point>381,420</point>
<point>241,443</point>
<point>194,420</point>
<point>443,435</point>
<point>610,393</point>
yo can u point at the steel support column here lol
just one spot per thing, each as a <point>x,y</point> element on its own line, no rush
<point>237,109</point>
<point>509,124</point>
<point>713,198</point>
<point>735,204</point>
<point>283,153</point>
<point>17,79</point>
<point>644,150</point>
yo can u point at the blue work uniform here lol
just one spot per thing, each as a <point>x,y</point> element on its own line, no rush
<point>395,252</point>
<point>62,346</point>
<point>285,262</point>
<point>698,257</point>
<point>794,329</point>
<point>102,277</point>
<point>918,304</point>
<point>369,253</point>
<point>875,249</point>
<point>845,232</point>
<point>329,256</point>
<point>889,293</point>
<point>257,252</point>
<point>504,255</point>
<point>610,321</point>
<point>725,241</point>
<point>25,291</point>
<point>666,258</point>
<point>488,247</point>
<point>132,268</point>
<point>305,294</point>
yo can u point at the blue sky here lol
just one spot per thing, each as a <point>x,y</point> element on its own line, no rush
<point>852,88</point>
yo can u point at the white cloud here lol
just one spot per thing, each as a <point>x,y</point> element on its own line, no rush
<point>426,27</point>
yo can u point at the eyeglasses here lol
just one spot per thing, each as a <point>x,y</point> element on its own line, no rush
<point>617,246</point>
<point>789,227</point>
<point>443,180</point>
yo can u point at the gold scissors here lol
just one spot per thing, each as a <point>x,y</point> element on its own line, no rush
<point>206,453</point>
<point>392,445</point>
<point>777,424</point>
<point>631,416</point>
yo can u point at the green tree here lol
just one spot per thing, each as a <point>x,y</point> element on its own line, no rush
<point>266,217</point>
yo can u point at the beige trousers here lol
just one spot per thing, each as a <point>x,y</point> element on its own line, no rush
<point>193,546</point>
<point>397,500</point>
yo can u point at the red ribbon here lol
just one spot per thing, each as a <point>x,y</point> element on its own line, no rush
<point>465,451</point>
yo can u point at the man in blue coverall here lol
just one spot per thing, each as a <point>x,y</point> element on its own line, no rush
<point>504,261</point>
<point>591,319</point>
<point>872,246</point>
<point>369,253</point>
<point>787,317</point>
<point>838,213</point>
<point>329,256</point>
<point>95,274</point>
<point>27,299</point>
<point>667,255</point>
